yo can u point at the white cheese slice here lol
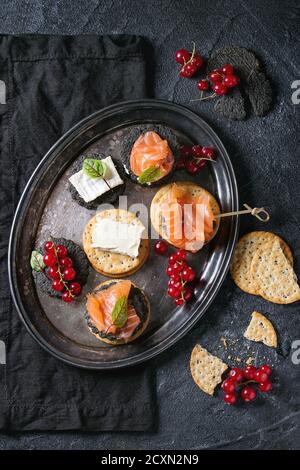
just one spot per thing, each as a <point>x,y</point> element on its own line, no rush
<point>118,237</point>
<point>91,188</point>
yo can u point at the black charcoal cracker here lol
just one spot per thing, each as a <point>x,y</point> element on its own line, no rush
<point>136,297</point>
<point>253,82</point>
<point>131,137</point>
<point>111,196</point>
<point>233,107</point>
<point>80,264</point>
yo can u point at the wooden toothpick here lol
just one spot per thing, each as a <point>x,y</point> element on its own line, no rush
<point>256,211</point>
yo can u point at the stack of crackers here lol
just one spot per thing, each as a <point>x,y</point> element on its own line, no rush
<point>263,265</point>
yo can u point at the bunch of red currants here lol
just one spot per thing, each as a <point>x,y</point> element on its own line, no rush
<point>193,159</point>
<point>180,274</point>
<point>220,80</point>
<point>60,270</point>
<point>238,379</point>
<point>191,62</point>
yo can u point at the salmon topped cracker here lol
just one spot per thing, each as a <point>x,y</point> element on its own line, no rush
<point>112,311</point>
<point>150,151</point>
<point>185,215</point>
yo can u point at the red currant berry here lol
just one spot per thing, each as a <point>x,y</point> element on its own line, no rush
<point>49,247</point>
<point>185,151</point>
<point>236,374</point>
<point>175,277</point>
<point>67,297</point>
<point>227,69</point>
<point>260,376</point>
<point>69,274</point>
<point>172,258</point>
<point>188,70</point>
<point>170,271</point>
<point>179,301</point>
<point>197,151</point>
<point>248,393</point>
<point>53,272</point>
<point>178,267</point>
<point>66,262</point>
<point>197,61</point>
<point>49,259</point>
<point>181,255</point>
<point>201,164</point>
<point>187,294</point>
<point>215,76</point>
<point>57,285</point>
<point>174,282</point>
<point>265,386</point>
<point>231,81</point>
<point>192,167</point>
<point>174,292</point>
<point>249,372</point>
<point>61,251</point>
<point>209,152</point>
<point>203,85</point>
<point>266,368</point>
<point>75,288</point>
<point>180,165</point>
<point>160,247</point>
<point>182,56</point>
<point>188,274</point>
<point>220,89</point>
<point>230,398</point>
<point>228,385</point>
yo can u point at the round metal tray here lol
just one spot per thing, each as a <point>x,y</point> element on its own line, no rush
<point>46,208</point>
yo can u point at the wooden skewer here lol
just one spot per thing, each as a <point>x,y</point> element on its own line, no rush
<point>256,211</point>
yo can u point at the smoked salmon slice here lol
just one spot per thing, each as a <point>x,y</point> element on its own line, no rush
<point>150,150</point>
<point>101,304</point>
<point>188,220</point>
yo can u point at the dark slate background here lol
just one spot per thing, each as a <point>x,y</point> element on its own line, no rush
<point>265,154</point>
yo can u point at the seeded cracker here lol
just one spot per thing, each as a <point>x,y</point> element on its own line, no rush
<point>206,369</point>
<point>273,275</point>
<point>260,329</point>
<point>243,255</point>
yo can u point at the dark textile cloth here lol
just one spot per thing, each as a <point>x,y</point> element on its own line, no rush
<point>51,83</point>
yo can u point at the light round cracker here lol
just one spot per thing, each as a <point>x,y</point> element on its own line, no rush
<point>206,369</point>
<point>114,264</point>
<point>243,255</point>
<point>119,342</point>
<point>273,275</point>
<point>260,329</point>
<point>160,197</point>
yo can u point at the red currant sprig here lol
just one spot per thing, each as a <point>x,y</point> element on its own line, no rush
<point>180,274</point>
<point>60,270</point>
<point>220,81</point>
<point>191,62</point>
<point>193,159</point>
<point>239,380</point>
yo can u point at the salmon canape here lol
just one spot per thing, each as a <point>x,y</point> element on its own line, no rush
<point>117,312</point>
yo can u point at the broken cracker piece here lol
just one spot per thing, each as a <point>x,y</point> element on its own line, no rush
<point>206,369</point>
<point>260,329</point>
<point>273,275</point>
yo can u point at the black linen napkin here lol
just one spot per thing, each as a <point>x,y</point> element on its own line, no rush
<point>47,84</point>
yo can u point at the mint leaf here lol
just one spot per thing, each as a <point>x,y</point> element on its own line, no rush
<point>94,168</point>
<point>119,314</point>
<point>36,261</point>
<point>149,175</point>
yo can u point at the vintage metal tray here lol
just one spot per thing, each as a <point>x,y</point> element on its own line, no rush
<point>46,208</point>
